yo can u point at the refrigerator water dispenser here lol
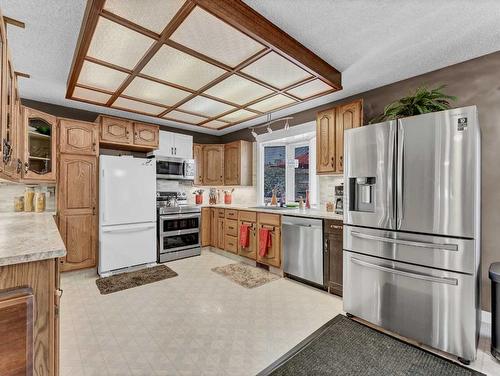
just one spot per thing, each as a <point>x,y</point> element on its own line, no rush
<point>362,194</point>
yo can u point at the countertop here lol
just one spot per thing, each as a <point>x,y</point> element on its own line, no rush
<point>26,237</point>
<point>310,213</point>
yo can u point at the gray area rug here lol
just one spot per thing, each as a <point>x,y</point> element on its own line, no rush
<point>123,281</point>
<point>347,348</point>
<point>246,275</point>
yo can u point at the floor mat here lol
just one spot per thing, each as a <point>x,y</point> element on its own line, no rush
<point>123,281</point>
<point>246,275</point>
<point>345,347</point>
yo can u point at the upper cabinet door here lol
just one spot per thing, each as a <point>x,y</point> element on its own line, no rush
<point>232,161</point>
<point>325,142</point>
<point>78,137</point>
<point>183,146</point>
<point>213,165</point>
<point>146,135</point>
<point>198,160</point>
<point>115,130</point>
<point>348,116</point>
<point>40,146</point>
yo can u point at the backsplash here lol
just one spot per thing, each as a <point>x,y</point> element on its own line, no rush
<point>8,191</point>
<point>327,188</point>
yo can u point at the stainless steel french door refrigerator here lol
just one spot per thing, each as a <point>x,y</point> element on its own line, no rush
<point>412,233</point>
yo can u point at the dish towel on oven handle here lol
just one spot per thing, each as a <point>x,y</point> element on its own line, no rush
<point>264,241</point>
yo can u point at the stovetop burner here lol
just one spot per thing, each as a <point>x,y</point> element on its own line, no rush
<point>169,202</point>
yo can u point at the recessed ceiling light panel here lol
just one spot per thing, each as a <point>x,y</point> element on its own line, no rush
<point>128,104</point>
<point>90,95</point>
<point>238,116</point>
<point>310,89</point>
<point>272,103</point>
<point>117,44</point>
<point>206,107</point>
<point>151,91</point>
<point>184,117</point>
<point>100,77</point>
<point>214,38</point>
<point>153,15</point>
<point>276,71</point>
<point>214,124</point>
<point>239,90</point>
<point>172,65</point>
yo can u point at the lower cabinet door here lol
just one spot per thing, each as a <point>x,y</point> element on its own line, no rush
<point>16,331</point>
<point>78,232</point>
<point>214,227</point>
<point>273,254</point>
<point>220,233</point>
<point>333,263</point>
<point>251,250</point>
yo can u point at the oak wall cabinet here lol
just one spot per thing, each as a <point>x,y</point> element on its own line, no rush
<point>238,163</point>
<point>330,126</point>
<point>198,160</point>
<point>213,165</point>
<point>333,256</point>
<point>223,164</point>
<point>78,137</point>
<point>40,141</point>
<point>124,134</point>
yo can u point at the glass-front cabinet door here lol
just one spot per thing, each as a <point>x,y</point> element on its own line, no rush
<point>40,146</point>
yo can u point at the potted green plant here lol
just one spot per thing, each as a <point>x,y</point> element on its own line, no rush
<point>420,102</point>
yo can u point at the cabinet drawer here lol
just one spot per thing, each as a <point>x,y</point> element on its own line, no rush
<point>220,213</point>
<point>231,244</point>
<point>270,219</point>
<point>247,216</point>
<point>231,227</point>
<point>231,214</point>
<point>333,227</point>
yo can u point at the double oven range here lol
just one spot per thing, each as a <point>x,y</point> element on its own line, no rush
<point>178,227</point>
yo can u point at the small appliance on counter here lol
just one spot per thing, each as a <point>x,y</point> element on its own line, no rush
<point>178,226</point>
<point>339,199</point>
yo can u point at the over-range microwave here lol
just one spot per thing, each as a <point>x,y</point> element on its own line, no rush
<point>172,168</point>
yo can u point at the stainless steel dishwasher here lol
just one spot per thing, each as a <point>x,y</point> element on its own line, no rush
<point>303,248</point>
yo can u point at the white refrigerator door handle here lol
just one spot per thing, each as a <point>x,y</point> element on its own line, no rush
<point>129,228</point>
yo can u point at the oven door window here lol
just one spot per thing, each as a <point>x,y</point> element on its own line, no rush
<point>169,168</point>
<point>173,243</point>
<point>178,224</point>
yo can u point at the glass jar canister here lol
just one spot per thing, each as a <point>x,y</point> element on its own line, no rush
<point>29,194</point>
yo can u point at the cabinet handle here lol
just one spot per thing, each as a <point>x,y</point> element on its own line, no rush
<point>26,167</point>
<point>135,135</point>
<point>341,160</point>
<point>175,150</point>
<point>93,146</point>
<point>333,161</point>
<point>336,227</point>
<point>171,150</point>
<point>19,167</point>
<point>93,210</point>
<point>327,248</point>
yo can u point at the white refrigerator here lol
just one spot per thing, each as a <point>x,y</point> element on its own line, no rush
<point>127,212</point>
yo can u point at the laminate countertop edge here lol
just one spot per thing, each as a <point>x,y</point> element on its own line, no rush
<point>28,237</point>
<point>307,213</point>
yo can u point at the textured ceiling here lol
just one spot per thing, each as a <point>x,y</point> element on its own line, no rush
<point>373,43</point>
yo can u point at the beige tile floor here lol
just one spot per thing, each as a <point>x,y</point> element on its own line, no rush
<point>198,323</point>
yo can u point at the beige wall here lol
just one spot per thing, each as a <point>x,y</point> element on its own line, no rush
<point>475,82</point>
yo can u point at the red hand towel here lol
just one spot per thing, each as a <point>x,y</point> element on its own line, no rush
<point>244,235</point>
<point>264,241</point>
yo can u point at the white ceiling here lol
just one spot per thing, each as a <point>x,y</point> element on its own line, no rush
<point>373,43</point>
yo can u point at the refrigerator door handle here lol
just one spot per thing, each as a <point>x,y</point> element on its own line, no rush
<point>390,175</point>
<point>116,229</point>
<point>404,273</point>
<point>412,243</point>
<point>400,175</point>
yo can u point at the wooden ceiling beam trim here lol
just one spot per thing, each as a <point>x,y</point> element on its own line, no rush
<point>22,75</point>
<point>144,101</point>
<point>242,17</point>
<point>196,54</point>
<point>166,83</point>
<point>174,23</point>
<point>129,24</point>
<point>107,65</point>
<point>89,23</point>
<point>13,22</point>
<point>88,87</point>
